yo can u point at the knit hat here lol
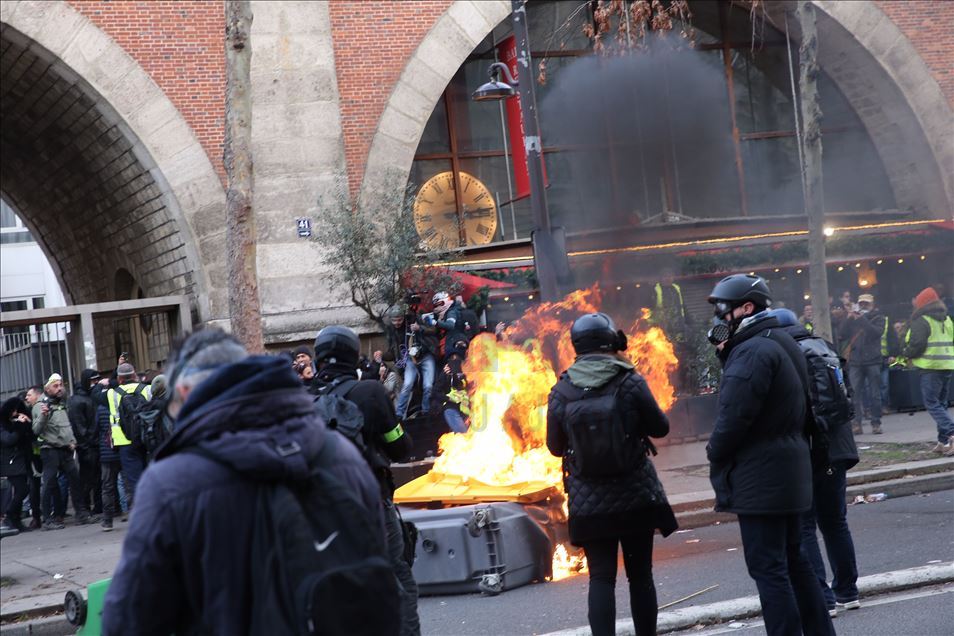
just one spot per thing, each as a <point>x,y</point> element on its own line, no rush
<point>303,349</point>
<point>125,369</point>
<point>866,298</point>
<point>926,297</point>
<point>56,377</point>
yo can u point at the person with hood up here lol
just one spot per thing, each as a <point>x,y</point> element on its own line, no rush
<point>82,412</point>
<point>929,345</point>
<point>829,511</point>
<point>16,452</point>
<point>759,459</point>
<point>185,565</point>
<point>51,423</point>
<point>599,417</point>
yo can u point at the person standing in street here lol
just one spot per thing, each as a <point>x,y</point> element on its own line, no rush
<point>132,457</point>
<point>82,414</point>
<point>759,456</point>
<point>829,510</point>
<point>34,475</point>
<point>383,438</point>
<point>16,451</point>
<point>929,345</point>
<point>51,423</point>
<point>862,331</point>
<point>600,415</point>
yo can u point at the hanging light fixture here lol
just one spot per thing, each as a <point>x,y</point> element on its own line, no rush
<point>495,89</point>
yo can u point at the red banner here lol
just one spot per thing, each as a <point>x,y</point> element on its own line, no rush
<point>507,52</point>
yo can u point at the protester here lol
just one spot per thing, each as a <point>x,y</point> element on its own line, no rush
<point>30,397</point>
<point>337,350</point>
<point>131,454</point>
<point>51,423</point>
<point>243,423</point>
<point>807,318</point>
<point>759,437</point>
<point>862,332</point>
<point>417,350</point>
<point>16,451</point>
<point>829,510</point>
<point>109,465</point>
<point>929,345</point>
<point>82,412</point>
<point>615,496</point>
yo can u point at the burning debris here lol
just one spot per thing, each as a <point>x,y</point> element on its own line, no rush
<point>503,455</point>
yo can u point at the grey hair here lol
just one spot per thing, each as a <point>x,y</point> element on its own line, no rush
<point>198,367</point>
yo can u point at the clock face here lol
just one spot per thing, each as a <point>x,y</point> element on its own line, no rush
<point>435,212</point>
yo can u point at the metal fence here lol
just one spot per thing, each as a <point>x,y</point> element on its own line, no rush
<point>30,354</point>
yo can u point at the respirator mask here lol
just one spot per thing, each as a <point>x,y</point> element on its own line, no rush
<point>721,329</point>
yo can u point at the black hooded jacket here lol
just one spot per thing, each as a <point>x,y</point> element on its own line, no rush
<point>758,452</point>
<point>82,412</point>
<point>16,439</point>
<point>184,566</point>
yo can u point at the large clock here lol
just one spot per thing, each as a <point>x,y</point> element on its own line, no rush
<point>435,212</point>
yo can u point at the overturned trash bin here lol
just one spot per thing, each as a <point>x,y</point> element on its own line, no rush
<point>503,538</point>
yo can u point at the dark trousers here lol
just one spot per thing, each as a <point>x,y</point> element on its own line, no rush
<point>57,498</point>
<point>866,384</point>
<point>54,461</point>
<point>109,473</point>
<point>133,462</point>
<point>21,490</point>
<point>829,513</point>
<point>35,482</point>
<point>601,558</point>
<point>792,601</point>
<point>90,478</point>
<point>410,623</point>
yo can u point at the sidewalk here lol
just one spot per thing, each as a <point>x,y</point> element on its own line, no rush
<point>40,567</point>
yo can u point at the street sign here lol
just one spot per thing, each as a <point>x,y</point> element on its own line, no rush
<point>304,227</point>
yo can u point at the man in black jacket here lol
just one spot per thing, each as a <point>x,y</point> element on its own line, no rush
<point>760,466</point>
<point>862,333</point>
<point>829,511</point>
<point>82,414</point>
<point>337,350</point>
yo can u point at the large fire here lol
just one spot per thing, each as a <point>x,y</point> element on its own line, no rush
<point>509,382</point>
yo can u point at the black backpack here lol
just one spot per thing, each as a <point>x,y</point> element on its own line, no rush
<point>599,444</point>
<point>318,558</point>
<point>154,425</point>
<point>343,415</point>
<point>828,386</point>
<point>131,407</point>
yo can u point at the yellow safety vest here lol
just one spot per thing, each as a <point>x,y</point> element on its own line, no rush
<point>113,397</point>
<point>660,301</point>
<point>939,353</point>
<point>884,338</point>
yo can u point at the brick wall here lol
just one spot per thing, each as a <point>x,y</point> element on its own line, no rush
<point>929,25</point>
<point>181,46</point>
<point>373,41</point>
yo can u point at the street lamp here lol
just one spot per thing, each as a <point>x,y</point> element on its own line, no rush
<point>495,89</point>
<point>549,254</point>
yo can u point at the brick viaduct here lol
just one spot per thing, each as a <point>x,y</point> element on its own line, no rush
<point>112,127</point>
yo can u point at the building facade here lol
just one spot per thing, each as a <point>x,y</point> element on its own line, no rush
<point>675,162</point>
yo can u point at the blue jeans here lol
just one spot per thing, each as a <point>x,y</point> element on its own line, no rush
<point>829,512</point>
<point>133,463</point>
<point>428,369</point>
<point>792,602</point>
<point>935,386</point>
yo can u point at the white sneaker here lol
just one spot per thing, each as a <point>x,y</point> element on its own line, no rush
<point>833,612</point>
<point>942,449</point>
<point>850,605</point>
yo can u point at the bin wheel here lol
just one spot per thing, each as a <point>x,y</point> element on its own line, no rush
<point>74,606</point>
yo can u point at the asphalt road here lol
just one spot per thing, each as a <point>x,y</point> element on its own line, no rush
<point>890,535</point>
<point>923,612</point>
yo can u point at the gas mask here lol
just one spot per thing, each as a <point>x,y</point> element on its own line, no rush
<point>722,329</point>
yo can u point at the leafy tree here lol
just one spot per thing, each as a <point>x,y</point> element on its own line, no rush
<point>374,250</point>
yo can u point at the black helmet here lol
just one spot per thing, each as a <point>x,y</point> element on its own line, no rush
<point>337,343</point>
<point>737,289</point>
<point>596,332</point>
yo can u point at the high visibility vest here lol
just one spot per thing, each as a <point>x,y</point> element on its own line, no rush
<point>113,397</point>
<point>660,301</point>
<point>939,353</point>
<point>884,338</point>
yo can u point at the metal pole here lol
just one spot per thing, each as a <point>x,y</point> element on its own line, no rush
<point>545,249</point>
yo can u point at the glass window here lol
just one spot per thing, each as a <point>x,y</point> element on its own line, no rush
<point>435,139</point>
<point>773,181</point>
<point>477,124</point>
<point>763,90</point>
<point>854,178</point>
<point>556,26</point>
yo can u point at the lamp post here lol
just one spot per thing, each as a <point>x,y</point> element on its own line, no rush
<point>549,255</point>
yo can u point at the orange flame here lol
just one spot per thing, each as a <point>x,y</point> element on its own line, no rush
<point>509,383</point>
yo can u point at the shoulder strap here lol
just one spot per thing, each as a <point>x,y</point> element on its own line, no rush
<point>771,335</point>
<point>120,390</point>
<point>343,388</point>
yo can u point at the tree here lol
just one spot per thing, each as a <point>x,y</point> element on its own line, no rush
<point>811,141</point>
<point>374,250</point>
<point>244,308</point>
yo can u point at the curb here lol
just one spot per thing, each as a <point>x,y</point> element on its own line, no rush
<point>748,606</point>
<point>49,626</point>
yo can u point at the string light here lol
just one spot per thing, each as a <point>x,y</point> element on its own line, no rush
<point>900,260</point>
<point>806,296</point>
<point>776,270</point>
<point>840,268</point>
<point>638,285</point>
<point>828,231</point>
<point>880,260</point>
<point>857,265</point>
<point>618,288</point>
<point>923,257</point>
<point>506,299</point>
<point>530,297</point>
<point>798,271</point>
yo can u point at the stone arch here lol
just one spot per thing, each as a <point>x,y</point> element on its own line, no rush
<point>884,79</point>
<point>102,167</point>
